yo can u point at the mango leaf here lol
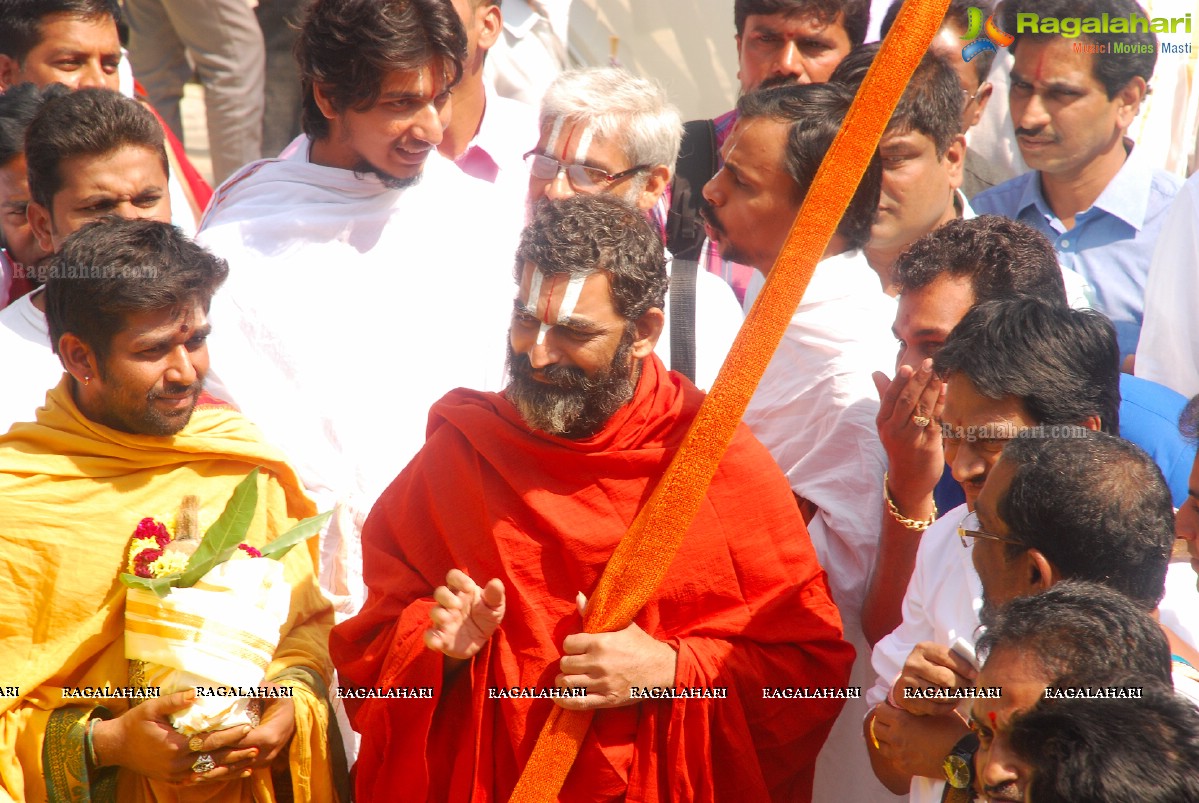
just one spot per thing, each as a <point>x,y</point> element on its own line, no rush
<point>159,585</point>
<point>301,532</point>
<point>226,532</point>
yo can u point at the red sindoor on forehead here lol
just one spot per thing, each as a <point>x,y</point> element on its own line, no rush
<point>570,138</point>
<point>549,300</point>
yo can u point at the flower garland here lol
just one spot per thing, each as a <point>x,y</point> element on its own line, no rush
<point>149,555</point>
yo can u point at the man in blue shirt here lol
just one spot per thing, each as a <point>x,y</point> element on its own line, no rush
<point>1098,201</point>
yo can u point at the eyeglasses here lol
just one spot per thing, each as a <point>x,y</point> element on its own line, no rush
<point>581,177</point>
<point>970,98</point>
<point>970,528</point>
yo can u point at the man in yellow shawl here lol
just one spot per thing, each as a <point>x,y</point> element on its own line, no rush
<point>126,434</point>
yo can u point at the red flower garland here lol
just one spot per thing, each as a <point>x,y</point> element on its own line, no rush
<point>143,559</point>
<point>149,528</point>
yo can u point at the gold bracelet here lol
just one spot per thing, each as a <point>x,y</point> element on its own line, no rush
<point>918,525</point>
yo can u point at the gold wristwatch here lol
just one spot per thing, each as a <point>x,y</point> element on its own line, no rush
<point>959,769</point>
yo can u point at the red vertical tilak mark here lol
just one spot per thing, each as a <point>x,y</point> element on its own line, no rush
<point>549,299</point>
<point>570,137</point>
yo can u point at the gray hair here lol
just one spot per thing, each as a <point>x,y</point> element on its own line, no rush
<point>621,108</point>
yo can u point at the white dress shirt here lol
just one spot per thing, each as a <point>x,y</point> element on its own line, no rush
<point>942,603</point>
<point>1168,352</point>
<point>814,410</point>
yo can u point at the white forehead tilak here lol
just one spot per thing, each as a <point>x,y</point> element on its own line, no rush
<point>570,299</point>
<point>551,144</point>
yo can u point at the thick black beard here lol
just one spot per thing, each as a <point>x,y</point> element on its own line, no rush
<point>569,404</point>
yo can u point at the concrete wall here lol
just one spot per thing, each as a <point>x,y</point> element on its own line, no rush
<point>687,45</point>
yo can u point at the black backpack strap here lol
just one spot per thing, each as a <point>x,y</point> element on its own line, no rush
<point>682,316</point>
<point>698,158</point>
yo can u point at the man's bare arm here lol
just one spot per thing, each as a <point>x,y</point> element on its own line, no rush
<point>916,463</point>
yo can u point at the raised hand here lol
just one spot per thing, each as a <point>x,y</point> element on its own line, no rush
<point>913,744</point>
<point>913,451</point>
<point>465,615</point>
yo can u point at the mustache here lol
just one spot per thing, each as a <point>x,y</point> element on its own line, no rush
<point>708,215</point>
<point>778,80</point>
<point>1006,791</point>
<point>562,400</point>
<point>1030,132</point>
<point>563,377</point>
<point>178,390</point>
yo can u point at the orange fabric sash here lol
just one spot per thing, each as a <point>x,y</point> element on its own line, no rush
<point>745,604</point>
<point>647,550</point>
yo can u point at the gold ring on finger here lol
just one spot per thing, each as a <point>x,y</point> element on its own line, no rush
<point>921,421</point>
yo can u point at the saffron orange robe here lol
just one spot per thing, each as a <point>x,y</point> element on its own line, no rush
<point>745,604</point>
<point>71,493</point>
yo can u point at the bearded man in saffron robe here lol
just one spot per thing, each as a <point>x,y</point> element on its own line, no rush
<point>530,491</point>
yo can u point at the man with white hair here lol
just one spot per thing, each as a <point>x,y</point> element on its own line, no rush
<point>606,130</point>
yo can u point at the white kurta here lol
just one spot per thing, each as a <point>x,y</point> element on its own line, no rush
<point>942,603</point>
<point>1179,608</point>
<point>814,410</point>
<point>1168,352</point>
<point>351,308</point>
<point>509,129</point>
<point>27,364</point>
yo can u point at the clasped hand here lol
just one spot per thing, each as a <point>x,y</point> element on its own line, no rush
<point>606,665</point>
<point>143,741</point>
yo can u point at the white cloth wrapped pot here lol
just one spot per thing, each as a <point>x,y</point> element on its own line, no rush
<point>220,633</point>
